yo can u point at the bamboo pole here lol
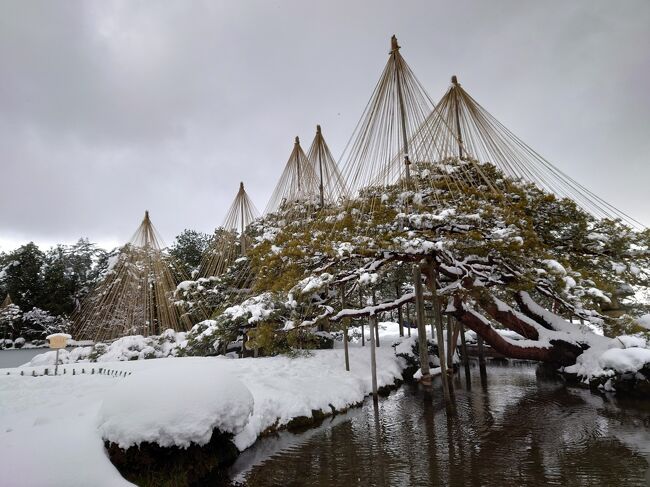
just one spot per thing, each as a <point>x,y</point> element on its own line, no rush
<point>422,331</point>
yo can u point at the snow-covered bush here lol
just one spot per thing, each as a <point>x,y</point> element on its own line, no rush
<point>39,324</point>
<point>10,321</point>
<point>133,347</point>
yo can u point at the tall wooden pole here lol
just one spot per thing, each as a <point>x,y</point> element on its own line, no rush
<point>422,330</point>
<point>319,142</point>
<point>297,160</point>
<point>243,228</point>
<point>398,72</point>
<point>345,330</point>
<point>454,81</point>
<point>433,287</point>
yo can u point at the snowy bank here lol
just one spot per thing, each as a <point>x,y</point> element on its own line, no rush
<point>619,365</point>
<point>53,428</point>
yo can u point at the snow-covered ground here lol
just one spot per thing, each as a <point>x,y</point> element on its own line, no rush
<point>52,428</point>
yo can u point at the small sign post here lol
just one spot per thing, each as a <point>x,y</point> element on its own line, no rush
<point>58,341</point>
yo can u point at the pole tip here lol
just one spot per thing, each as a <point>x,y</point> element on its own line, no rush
<point>146,214</point>
<point>241,185</point>
<point>393,44</point>
<point>318,129</point>
<point>297,140</point>
<point>454,80</point>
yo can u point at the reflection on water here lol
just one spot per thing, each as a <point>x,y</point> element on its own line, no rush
<point>517,430</point>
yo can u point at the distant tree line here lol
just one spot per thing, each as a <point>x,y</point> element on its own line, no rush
<point>45,287</point>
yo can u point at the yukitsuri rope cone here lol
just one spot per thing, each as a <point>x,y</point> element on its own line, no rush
<point>298,183</point>
<point>330,181</point>
<point>136,295</point>
<point>230,240</point>
<point>6,302</point>
<point>476,135</point>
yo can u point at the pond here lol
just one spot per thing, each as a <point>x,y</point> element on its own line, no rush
<point>512,430</point>
<point>17,357</point>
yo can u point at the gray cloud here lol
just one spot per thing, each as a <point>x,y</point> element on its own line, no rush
<point>111,108</point>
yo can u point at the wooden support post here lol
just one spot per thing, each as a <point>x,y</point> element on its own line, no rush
<point>451,346</point>
<point>345,330</point>
<point>373,359</point>
<point>437,317</point>
<point>363,331</point>
<point>399,312</point>
<point>56,362</point>
<point>244,339</point>
<point>463,350</point>
<point>422,330</point>
<point>481,356</point>
<point>408,318</point>
<point>374,302</point>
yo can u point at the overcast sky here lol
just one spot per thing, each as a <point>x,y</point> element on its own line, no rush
<point>108,108</point>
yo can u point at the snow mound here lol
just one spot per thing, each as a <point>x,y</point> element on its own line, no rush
<point>625,359</point>
<point>152,405</point>
<point>77,354</point>
<point>644,321</point>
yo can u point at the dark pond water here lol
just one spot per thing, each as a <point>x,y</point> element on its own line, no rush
<point>514,430</point>
<point>16,357</point>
